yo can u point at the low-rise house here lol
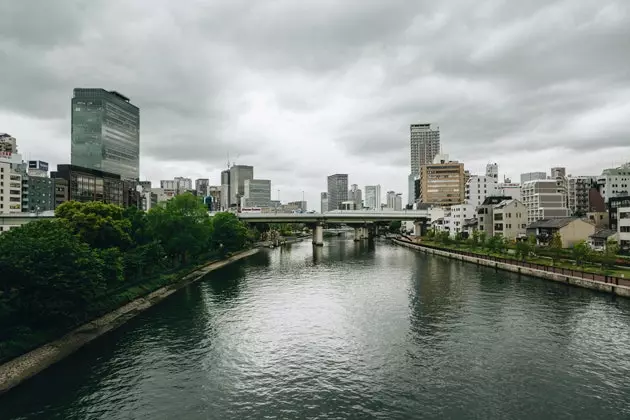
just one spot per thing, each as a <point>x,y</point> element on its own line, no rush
<point>599,239</point>
<point>599,219</point>
<point>571,229</point>
<point>485,221</point>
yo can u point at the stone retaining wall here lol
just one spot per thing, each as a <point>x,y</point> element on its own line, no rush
<point>561,278</point>
<point>23,367</point>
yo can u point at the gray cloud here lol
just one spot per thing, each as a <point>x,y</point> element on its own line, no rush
<point>303,89</point>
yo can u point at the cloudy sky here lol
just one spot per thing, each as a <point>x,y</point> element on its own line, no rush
<point>303,89</point>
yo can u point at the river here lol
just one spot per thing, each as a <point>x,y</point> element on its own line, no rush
<point>350,331</point>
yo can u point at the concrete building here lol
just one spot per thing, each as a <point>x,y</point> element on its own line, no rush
<point>442,182</point>
<point>509,219</point>
<point>614,182</point>
<point>37,168</point>
<point>599,240</point>
<point>225,189</point>
<point>256,193</point>
<point>578,188</point>
<point>373,197</point>
<point>324,202</point>
<point>492,172</point>
<point>348,205</point>
<point>337,190</point>
<point>390,200</point>
<point>509,189</point>
<point>354,194</point>
<point>623,228</point>
<point>298,205</point>
<point>532,176</point>
<point>178,185</point>
<point>238,175</point>
<point>201,187</point>
<point>425,145</point>
<point>10,189</point>
<point>480,187</point>
<point>398,202</point>
<point>615,203</point>
<point>485,213</point>
<point>456,215</point>
<point>214,197</point>
<point>105,132</point>
<point>571,229</point>
<point>38,194</point>
<point>84,184</point>
<point>558,172</point>
<point>544,199</point>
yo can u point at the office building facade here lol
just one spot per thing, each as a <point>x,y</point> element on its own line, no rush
<point>442,183</point>
<point>238,175</point>
<point>201,187</point>
<point>355,195</point>
<point>337,190</point>
<point>256,193</point>
<point>544,199</point>
<point>105,132</point>
<point>324,202</point>
<point>84,184</point>
<point>532,176</point>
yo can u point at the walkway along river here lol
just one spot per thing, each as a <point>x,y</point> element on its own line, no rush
<point>350,330</point>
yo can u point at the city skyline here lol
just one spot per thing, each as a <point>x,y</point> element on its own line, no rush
<point>494,97</point>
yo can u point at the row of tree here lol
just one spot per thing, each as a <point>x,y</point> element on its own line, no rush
<point>52,271</point>
<point>581,253</point>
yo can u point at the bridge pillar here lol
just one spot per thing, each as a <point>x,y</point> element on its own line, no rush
<point>364,233</point>
<point>357,234</point>
<point>318,235</point>
<point>420,227</point>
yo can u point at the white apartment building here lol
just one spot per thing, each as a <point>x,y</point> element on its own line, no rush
<point>614,182</point>
<point>10,189</point>
<point>373,197</point>
<point>479,187</point>
<point>455,216</point>
<point>532,176</point>
<point>179,184</point>
<point>509,189</point>
<point>623,227</point>
<point>509,219</point>
<point>544,199</point>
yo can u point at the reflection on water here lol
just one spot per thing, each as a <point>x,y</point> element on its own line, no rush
<point>350,330</point>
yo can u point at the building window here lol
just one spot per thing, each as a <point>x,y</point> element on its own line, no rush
<point>624,229</point>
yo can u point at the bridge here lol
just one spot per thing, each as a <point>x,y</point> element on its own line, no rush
<point>362,221</point>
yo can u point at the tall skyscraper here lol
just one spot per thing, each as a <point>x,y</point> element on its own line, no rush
<point>337,190</point>
<point>105,132</point>
<point>373,197</point>
<point>225,189</point>
<point>324,202</point>
<point>201,186</point>
<point>238,175</point>
<point>355,195</point>
<point>257,193</point>
<point>425,144</point>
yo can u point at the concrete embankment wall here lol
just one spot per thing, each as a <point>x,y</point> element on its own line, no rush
<point>23,367</point>
<point>560,278</point>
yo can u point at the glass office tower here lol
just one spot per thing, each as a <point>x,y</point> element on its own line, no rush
<point>105,132</point>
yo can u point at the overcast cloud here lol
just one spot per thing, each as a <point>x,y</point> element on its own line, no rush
<point>304,89</point>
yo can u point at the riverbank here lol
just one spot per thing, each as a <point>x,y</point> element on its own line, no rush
<point>29,364</point>
<point>612,287</point>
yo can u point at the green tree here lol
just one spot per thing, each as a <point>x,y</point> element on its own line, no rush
<point>609,257</point>
<point>555,246</point>
<point>182,227</point>
<point>51,274</point>
<point>483,238</point>
<point>227,233</point>
<point>394,227</point>
<point>98,224</point>
<point>581,252</point>
<point>523,249</point>
<point>474,239</point>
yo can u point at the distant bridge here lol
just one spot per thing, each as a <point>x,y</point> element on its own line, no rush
<point>360,220</point>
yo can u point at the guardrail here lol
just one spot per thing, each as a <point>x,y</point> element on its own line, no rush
<point>602,278</point>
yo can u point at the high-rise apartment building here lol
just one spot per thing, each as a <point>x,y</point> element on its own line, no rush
<point>373,197</point>
<point>442,182</point>
<point>256,193</point>
<point>355,195</point>
<point>544,199</point>
<point>324,202</point>
<point>480,187</point>
<point>614,182</point>
<point>425,145</point>
<point>578,193</point>
<point>238,175</point>
<point>105,132</point>
<point>201,186</point>
<point>10,190</point>
<point>390,200</point>
<point>337,190</point>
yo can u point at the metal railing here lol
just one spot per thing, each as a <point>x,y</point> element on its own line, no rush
<point>602,278</point>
